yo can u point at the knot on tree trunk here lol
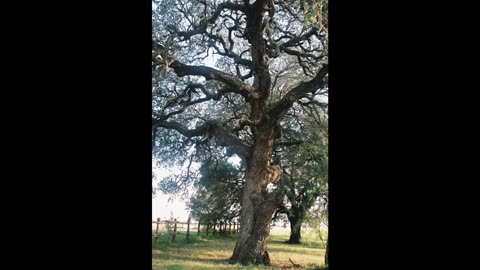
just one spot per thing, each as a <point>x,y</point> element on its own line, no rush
<point>273,173</point>
<point>257,198</point>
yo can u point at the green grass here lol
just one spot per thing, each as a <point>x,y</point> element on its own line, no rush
<point>213,252</point>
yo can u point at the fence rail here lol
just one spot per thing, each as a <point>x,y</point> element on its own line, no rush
<point>221,228</point>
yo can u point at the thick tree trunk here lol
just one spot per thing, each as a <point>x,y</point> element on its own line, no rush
<point>295,230</point>
<point>251,246</point>
<point>258,206</point>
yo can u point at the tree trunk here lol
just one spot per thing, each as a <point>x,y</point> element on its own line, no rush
<point>295,230</point>
<point>326,254</point>
<point>251,246</point>
<point>258,207</point>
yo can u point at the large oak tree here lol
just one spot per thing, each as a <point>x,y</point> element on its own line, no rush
<point>240,104</point>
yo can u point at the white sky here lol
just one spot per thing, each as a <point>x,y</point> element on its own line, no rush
<point>162,207</point>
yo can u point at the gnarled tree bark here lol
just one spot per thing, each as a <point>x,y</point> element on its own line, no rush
<point>258,205</point>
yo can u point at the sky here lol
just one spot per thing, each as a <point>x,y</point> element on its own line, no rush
<point>162,207</point>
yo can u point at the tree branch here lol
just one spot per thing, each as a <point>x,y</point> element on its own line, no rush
<point>228,52</point>
<point>237,85</point>
<point>211,129</point>
<point>298,39</point>
<point>280,108</point>
<point>289,143</point>
<point>199,131</point>
<point>202,27</point>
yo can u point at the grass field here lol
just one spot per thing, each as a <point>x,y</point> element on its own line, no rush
<point>213,252</point>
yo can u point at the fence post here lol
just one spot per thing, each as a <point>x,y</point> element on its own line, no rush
<point>198,230</point>
<point>156,230</point>
<point>188,228</point>
<point>174,230</point>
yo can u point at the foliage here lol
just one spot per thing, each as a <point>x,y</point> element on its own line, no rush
<point>218,192</point>
<point>305,169</point>
<point>315,12</point>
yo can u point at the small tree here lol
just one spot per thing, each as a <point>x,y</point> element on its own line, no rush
<point>218,192</point>
<point>305,169</point>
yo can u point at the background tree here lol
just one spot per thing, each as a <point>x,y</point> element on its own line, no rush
<point>305,173</point>
<point>218,192</point>
<point>240,105</point>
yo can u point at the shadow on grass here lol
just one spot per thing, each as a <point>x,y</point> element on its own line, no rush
<point>212,263</point>
<point>305,243</point>
<point>301,250</point>
<point>182,257</point>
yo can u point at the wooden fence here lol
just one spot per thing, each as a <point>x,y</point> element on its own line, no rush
<point>214,228</point>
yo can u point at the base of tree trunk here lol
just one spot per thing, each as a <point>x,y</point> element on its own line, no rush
<point>295,232</point>
<point>294,239</point>
<point>265,260</point>
<point>246,254</point>
<point>251,246</point>
<point>293,242</point>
